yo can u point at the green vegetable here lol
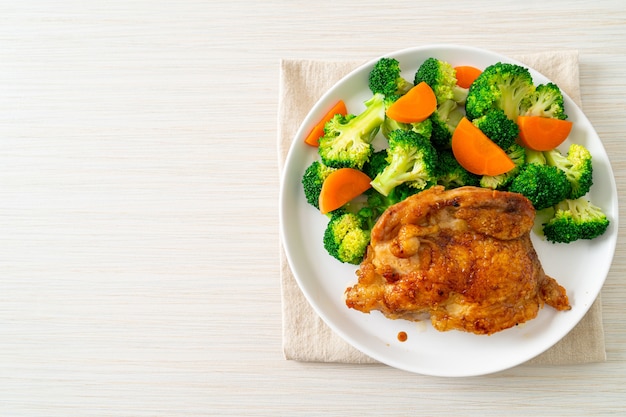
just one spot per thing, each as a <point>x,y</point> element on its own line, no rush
<point>411,159</point>
<point>386,78</point>
<point>346,238</point>
<point>444,120</point>
<point>376,163</point>
<point>312,181</point>
<point>546,101</point>
<point>441,77</point>
<point>424,127</point>
<point>501,182</point>
<point>451,174</point>
<point>577,167</point>
<point>503,86</point>
<point>543,185</point>
<point>377,203</point>
<point>574,220</point>
<point>498,127</point>
<point>347,139</point>
<point>535,157</point>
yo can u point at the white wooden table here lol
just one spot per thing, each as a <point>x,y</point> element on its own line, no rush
<point>139,205</point>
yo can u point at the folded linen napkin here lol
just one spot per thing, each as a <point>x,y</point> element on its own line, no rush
<point>305,336</point>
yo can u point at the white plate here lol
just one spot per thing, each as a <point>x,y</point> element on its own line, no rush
<point>581,267</point>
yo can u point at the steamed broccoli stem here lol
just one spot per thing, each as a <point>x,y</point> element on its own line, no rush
<point>577,167</point>
<point>347,139</point>
<point>386,78</point>
<point>459,94</point>
<point>574,220</point>
<point>412,160</point>
<point>441,77</point>
<point>511,98</point>
<point>346,238</point>
<point>312,181</point>
<point>543,185</point>
<point>389,124</point>
<point>500,182</point>
<point>546,101</point>
<point>498,127</point>
<point>501,86</point>
<point>535,157</point>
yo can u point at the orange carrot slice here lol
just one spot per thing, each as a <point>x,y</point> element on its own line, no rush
<point>317,132</point>
<point>342,186</point>
<point>542,133</point>
<point>466,75</point>
<point>477,153</point>
<point>414,106</point>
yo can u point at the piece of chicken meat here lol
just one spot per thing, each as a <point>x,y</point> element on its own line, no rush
<point>463,257</point>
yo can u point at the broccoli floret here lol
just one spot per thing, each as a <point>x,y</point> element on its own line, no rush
<point>441,77</point>
<point>312,181</point>
<point>444,120</point>
<point>546,101</point>
<point>543,185</point>
<point>376,163</point>
<point>423,128</point>
<point>345,237</point>
<point>577,167</point>
<point>347,139</point>
<point>500,86</point>
<point>412,160</point>
<point>574,220</point>
<point>385,78</point>
<point>451,174</point>
<point>377,203</point>
<point>500,182</point>
<point>498,127</point>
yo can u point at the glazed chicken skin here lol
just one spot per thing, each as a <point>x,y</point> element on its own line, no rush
<point>463,257</point>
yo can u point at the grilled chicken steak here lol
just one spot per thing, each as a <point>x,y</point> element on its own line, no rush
<point>463,256</point>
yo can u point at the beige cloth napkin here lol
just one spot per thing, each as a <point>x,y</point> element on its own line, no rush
<point>305,336</point>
